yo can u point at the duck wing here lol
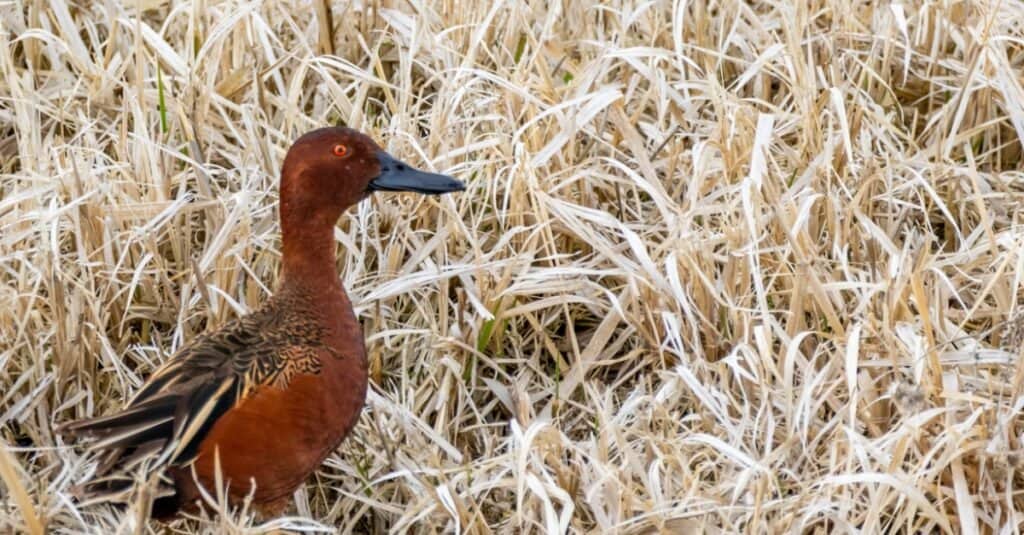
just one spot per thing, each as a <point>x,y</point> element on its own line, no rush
<point>166,421</point>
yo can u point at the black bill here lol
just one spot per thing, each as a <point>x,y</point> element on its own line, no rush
<point>396,175</point>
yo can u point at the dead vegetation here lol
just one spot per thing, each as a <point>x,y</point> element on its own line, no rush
<point>721,266</point>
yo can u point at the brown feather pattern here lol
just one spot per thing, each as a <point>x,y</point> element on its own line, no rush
<point>168,419</point>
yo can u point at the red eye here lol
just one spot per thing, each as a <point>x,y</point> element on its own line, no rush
<point>340,151</point>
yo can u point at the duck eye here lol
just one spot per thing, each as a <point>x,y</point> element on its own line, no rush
<point>340,150</point>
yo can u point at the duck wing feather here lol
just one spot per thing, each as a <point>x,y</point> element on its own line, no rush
<point>165,422</point>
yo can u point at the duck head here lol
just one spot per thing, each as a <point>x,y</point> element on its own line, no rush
<point>330,169</point>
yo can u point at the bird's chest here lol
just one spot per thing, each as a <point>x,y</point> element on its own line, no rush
<point>327,378</point>
<point>322,338</point>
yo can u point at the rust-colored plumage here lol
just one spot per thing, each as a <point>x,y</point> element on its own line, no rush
<point>268,396</point>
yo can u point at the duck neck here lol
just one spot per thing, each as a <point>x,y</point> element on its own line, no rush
<point>308,255</point>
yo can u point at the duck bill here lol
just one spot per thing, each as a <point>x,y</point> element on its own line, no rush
<point>396,175</point>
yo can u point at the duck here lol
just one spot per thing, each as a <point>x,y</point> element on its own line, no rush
<point>260,402</point>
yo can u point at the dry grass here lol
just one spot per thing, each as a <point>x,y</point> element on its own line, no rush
<point>720,266</point>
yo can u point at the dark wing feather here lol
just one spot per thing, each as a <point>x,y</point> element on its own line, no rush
<point>171,414</point>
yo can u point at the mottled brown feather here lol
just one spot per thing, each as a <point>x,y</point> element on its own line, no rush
<point>285,383</point>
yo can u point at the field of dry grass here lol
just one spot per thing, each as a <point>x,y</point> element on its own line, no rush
<point>721,267</point>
